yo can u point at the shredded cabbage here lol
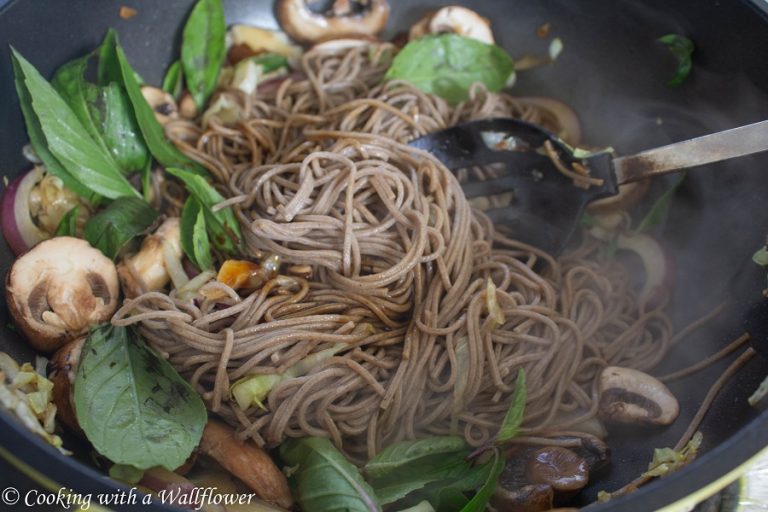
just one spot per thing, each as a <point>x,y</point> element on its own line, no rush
<point>28,395</point>
<point>667,460</point>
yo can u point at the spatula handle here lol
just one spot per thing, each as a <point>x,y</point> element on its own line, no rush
<point>745,140</point>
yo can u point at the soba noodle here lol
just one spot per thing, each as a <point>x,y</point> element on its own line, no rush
<point>431,309</point>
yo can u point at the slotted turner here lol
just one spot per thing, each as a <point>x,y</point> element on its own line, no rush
<point>547,205</point>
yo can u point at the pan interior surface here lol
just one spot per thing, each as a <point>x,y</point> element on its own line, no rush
<point>613,72</point>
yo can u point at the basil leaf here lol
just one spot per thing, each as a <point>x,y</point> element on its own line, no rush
<point>113,114</point>
<point>492,471</point>
<point>70,83</point>
<point>222,224</point>
<point>658,211</point>
<point>68,223</point>
<point>682,48</point>
<point>173,80</point>
<point>396,456</point>
<point>203,49</point>
<point>109,67</point>
<point>446,468</point>
<point>105,112</point>
<point>132,405</point>
<point>514,417</point>
<point>126,473</point>
<point>194,238</point>
<point>115,226</point>
<point>68,140</point>
<point>447,65</point>
<point>38,140</point>
<point>154,136</point>
<point>326,480</point>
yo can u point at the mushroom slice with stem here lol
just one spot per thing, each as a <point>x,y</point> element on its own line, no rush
<point>146,271</point>
<point>632,396</point>
<point>312,21</point>
<point>59,289</point>
<point>454,19</point>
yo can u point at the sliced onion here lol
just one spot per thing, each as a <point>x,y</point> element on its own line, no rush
<point>173,266</point>
<point>19,230</point>
<point>656,264</point>
<point>565,116</point>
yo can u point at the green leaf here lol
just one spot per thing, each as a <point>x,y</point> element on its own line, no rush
<point>448,468</point>
<point>203,49</point>
<point>132,405</point>
<point>105,113</point>
<point>113,115</point>
<point>68,223</point>
<point>325,479</point>
<point>173,82</point>
<point>492,470</point>
<point>154,136</point>
<point>447,65</point>
<point>38,140</point>
<point>514,417</point>
<point>126,473</point>
<point>115,226</point>
<point>761,257</point>
<point>109,67</point>
<point>69,81</point>
<point>222,225</point>
<point>396,456</point>
<point>194,237</point>
<point>658,211</point>
<point>682,48</point>
<point>68,140</point>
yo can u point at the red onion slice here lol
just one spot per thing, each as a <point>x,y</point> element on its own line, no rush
<point>19,230</point>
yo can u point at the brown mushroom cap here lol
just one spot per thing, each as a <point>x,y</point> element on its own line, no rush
<point>60,288</point>
<point>529,498</point>
<point>61,371</point>
<point>345,18</point>
<point>558,467</point>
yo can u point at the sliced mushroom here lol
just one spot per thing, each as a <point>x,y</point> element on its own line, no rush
<point>456,20</point>
<point>146,270</point>
<point>529,498</point>
<point>305,22</point>
<point>59,289</point>
<point>562,469</point>
<point>161,102</point>
<point>632,396</point>
<point>246,461</point>
<point>248,41</point>
<point>61,371</point>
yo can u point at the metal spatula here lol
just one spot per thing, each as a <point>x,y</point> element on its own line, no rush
<point>547,205</point>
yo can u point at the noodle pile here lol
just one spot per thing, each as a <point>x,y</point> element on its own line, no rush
<point>431,311</point>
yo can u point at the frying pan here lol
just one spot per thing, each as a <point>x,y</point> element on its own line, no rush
<point>613,72</point>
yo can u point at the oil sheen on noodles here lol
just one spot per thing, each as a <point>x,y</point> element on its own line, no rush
<point>434,309</point>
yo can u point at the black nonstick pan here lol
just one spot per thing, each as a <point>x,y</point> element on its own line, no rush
<point>613,72</point>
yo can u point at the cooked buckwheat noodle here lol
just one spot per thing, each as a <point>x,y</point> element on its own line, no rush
<point>433,311</point>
